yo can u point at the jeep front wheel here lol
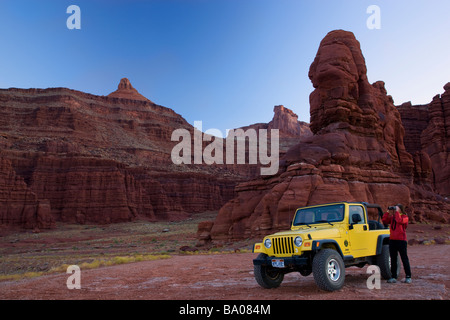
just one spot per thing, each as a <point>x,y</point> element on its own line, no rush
<point>267,276</point>
<point>328,270</point>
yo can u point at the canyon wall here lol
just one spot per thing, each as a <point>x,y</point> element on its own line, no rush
<point>81,158</point>
<point>74,157</point>
<point>428,138</point>
<point>69,156</point>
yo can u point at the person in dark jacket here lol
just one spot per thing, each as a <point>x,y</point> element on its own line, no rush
<point>398,221</point>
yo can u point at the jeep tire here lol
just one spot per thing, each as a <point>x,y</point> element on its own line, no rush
<point>267,276</point>
<point>328,270</point>
<point>383,261</point>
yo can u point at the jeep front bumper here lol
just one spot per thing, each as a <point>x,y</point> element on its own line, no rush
<point>294,261</point>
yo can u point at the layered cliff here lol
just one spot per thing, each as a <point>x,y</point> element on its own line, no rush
<point>105,159</point>
<point>99,159</point>
<point>19,206</point>
<point>428,139</point>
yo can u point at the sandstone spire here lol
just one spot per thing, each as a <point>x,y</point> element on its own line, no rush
<point>126,91</point>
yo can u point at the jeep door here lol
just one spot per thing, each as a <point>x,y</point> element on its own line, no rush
<point>358,231</point>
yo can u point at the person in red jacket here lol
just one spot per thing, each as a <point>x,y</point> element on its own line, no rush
<point>398,221</point>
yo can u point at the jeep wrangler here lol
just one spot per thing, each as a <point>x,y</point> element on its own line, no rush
<point>324,240</point>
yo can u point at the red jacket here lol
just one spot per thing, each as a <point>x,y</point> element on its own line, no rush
<point>398,224</point>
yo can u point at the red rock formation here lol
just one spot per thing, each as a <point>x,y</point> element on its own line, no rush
<point>75,157</point>
<point>107,159</point>
<point>435,140</point>
<point>286,121</point>
<point>415,120</point>
<point>89,190</point>
<point>94,159</point>
<point>343,97</point>
<point>427,137</point>
<point>19,206</point>
<point>357,153</point>
<point>126,91</point>
<point>97,159</point>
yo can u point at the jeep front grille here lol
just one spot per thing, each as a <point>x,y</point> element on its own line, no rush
<point>283,245</point>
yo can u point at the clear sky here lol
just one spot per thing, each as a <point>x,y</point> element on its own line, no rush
<point>224,62</point>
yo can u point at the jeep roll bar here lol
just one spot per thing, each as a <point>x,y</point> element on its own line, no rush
<point>375,206</point>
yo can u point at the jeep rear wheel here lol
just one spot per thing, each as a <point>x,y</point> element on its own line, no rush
<point>267,276</point>
<point>328,270</point>
<point>383,261</point>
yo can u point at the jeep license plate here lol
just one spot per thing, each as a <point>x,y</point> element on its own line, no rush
<point>278,263</point>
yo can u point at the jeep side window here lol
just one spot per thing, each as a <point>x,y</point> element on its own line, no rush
<point>359,211</point>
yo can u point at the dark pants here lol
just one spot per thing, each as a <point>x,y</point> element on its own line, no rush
<point>396,247</point>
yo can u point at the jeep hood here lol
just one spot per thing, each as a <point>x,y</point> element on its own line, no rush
<point>316,232</point>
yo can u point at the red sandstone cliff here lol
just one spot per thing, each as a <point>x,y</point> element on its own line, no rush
<point>82,158</point>
<point>18,204</point>
<point>428,139</point>
<point>95,159</point>
<point>70,156</point>
<point>286,121</point>
<point>357,153</point>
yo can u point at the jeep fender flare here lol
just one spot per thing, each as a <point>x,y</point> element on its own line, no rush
<point>382,240</point>
<point>318,244</point>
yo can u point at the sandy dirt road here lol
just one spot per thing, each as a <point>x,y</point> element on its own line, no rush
<point>230,277</point>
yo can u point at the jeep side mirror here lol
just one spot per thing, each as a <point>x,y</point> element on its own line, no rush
<point>355,218</point>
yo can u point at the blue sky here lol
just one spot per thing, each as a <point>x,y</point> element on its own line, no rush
<point>224,62</point>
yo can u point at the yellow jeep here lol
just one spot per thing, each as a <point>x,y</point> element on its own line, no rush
<point>324,240</point>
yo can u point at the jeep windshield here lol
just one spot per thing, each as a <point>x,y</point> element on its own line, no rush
<point>322,214</point>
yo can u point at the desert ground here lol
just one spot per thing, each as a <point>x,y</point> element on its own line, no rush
<point>156,261</point>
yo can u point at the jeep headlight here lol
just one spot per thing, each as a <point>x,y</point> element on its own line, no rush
<point>267,243</point>
<point>298,241</point>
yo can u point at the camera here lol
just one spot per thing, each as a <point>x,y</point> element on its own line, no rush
<point>392,207</point>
